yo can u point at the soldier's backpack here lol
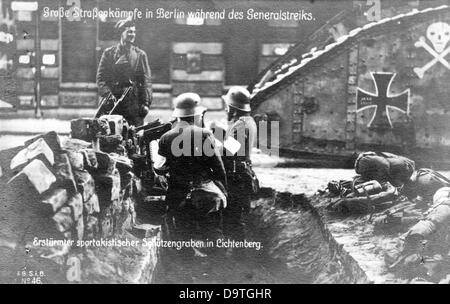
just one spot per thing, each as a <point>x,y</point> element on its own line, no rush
<point>384,167</point>
<point>400,168</point>
<point>366,197</point>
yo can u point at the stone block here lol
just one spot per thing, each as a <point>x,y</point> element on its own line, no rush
<point>76,160</point>
<point>124,220</point>
<point>116,123</point>
<point>92,205</point>
<point>85,184</point>
<point>126,183</point>
<point>79,229</point>
<point>64,174</point>
<point>110,143</point>
<point>67,235</point>
<point>52,140</point>
<point>108,188</point>
<point>139,163</point>
<point>116,208</point>
<point>123,164</point>
<point>91,228</point>
<point>105,163</point>
<point>76,203</point>
<point>101,126</point>
<point>82,128</point>
<point>55,200</point>
<point>106,223</point>
<point>38,174</point>
<point>64,219</point>
<point>145,230</point>
<point>73,144</point>
<point>38,147</point>
<point>89,159</point>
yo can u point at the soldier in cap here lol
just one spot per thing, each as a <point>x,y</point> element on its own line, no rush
<point>197,179</point>
<point>242,181</point>
<point>124,65</point>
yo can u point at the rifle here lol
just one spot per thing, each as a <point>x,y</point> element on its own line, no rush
<point>109,104</point>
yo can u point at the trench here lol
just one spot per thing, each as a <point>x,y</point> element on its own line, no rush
<point>296,248</point>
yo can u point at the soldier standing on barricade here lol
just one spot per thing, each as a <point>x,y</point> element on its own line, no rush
<point>197,180</point>
<point>242,181</point>
<point>122,66</point>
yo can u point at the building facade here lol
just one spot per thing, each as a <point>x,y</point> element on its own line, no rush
<point>53,58</point>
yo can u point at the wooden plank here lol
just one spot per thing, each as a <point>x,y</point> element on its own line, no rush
<point>180,75</point>
<point>210,48</point>
<point>201,88</point>
<point>208,62</point>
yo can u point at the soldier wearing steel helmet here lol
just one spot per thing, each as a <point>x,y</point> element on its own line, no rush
<point>242,181</point>
<point>124,65</point>
<point>197,180</point>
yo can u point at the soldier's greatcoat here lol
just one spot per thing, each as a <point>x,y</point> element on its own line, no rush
<point>118,66</point>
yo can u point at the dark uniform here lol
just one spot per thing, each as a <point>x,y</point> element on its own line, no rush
<point>197,182</point>
<point>119,68</point>
<point>241,177</point>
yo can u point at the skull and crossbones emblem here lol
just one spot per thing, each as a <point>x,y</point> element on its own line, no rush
<point>439,35</point>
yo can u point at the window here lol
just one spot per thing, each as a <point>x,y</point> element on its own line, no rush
<point>78,50</point>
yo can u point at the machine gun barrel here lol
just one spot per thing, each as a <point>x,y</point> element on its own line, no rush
<point>154,133</point>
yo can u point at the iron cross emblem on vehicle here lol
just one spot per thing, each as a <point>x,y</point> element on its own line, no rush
<point>382,101</point>
<point>439,35</point>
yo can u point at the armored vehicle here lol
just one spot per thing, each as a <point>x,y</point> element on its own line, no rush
<point>382,87</point>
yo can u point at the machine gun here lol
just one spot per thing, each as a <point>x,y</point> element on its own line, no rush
<point>140,151</point>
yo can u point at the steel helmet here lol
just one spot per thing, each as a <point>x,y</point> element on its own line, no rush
<point>188,104</point>
<point>238,98</point>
